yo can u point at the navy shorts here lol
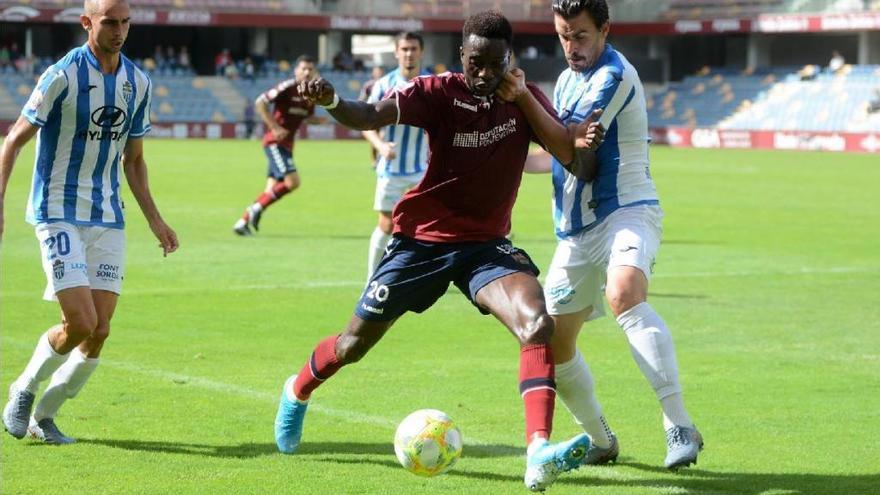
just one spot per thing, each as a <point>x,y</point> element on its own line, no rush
<point>280,161</point>
<point>414,274</point>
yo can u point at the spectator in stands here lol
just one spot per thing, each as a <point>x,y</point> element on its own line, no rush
<point>808,72</point>
<point>248,70</point>
<point>836,63</point>
<point>529,53</point>
<point>183,60</point>
<point>221,61</point>
<point>170,58</point>
<point>249,119</point>
<point>4,57</point>
<point>159,57</point>
<point>874,105</point>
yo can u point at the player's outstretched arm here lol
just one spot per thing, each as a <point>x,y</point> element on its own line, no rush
<point>22,132</point>
<point>136,174</point>
<point>553,135</point>
<point>350,113</point>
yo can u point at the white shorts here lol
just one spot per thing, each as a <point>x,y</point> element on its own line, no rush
<point>576,277</point>
<point>81,256</point>
<point>390,189</point>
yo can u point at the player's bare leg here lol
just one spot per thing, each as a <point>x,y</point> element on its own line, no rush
<point>275,190</point>
<point>576,389</point>
<point>654,352</point>
<point>70,378</point>
<point>517,301</point>
<point>79,320</point>
<point>329,356</point>
<point>379,241</point>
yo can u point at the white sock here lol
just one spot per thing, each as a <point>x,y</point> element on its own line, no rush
<point>256,208</point>
<point>536,444</point>
<point>378,242</point>
<point>65,384</point>
<point>43,363</point>
<point>574,386</point>
<point>652,348</point>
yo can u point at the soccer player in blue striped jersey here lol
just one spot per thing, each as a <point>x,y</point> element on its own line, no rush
<point>608,223</point>
<point>402,149</point>
<point>90,112</point>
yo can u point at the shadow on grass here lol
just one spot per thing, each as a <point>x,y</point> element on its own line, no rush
<point>692,481</point>
<point>250,450</point>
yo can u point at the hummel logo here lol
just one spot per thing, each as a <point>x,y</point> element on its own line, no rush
<point>628,248</point>
<point>467,106</point>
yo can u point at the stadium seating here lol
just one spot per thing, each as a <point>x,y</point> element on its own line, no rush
<point>769,99</point>
<point>762,99</point>
<point>828,102</point>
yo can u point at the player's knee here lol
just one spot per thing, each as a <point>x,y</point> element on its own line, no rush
<point>80,325</point>
<point>386,225</point>
<point>101,333</point>
<point>350,349</point>
<point>292,182</point>
<point>622,297</point>
<point>538,330</point>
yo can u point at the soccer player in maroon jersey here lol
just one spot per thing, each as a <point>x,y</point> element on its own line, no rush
<point>282,121</point>
<point>451,229</point>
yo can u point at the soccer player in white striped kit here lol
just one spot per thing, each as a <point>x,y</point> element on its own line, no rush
<point>90,112</point>
<point>609,229</point>
<point>403,158</point>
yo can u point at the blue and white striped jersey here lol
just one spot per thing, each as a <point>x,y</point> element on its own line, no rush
<point>411,142</point>
<point>624,178</point>
<point>86,117</point>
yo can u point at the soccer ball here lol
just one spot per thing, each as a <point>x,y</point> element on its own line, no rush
<point>427,443</point>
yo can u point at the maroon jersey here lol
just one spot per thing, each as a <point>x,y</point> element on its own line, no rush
<point>478,149</point>
<point>289,110</point>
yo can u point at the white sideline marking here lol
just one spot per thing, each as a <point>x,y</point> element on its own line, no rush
<point>360,283</point>
<point>238,390</point>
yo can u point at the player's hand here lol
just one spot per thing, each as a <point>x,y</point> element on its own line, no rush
<point>513,85</point>
<point>318,90</point>
<point>280,133</point>
<point>166,235</point>
<point>387,151</point>
<point>590,134</point>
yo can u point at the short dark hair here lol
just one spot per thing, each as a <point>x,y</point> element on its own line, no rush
<point>409,35</point>
<point>489,24</point>
<point>305,58</point>
<point>597,9</point>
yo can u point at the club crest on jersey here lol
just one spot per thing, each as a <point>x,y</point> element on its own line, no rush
<point>58,269</point>
<point>127,90</point>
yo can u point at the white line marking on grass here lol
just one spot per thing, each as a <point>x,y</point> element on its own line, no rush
<point>359,283</point>
<point>238,390</point>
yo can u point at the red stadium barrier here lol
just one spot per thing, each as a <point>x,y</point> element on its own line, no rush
<point>679,137</point>
<point>765,23</point>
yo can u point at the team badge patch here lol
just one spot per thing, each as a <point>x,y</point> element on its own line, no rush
<point>126,91</point>
<point>58,269</point>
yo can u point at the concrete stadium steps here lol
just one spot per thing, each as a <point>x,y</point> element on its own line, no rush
<point>227,95</point>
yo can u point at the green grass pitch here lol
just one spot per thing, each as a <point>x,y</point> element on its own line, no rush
<point>769,278</point>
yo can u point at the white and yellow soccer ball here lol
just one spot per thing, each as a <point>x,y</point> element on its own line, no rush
<point>427,443</point>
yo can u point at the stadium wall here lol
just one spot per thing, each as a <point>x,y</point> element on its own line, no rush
<point>679,137</point>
